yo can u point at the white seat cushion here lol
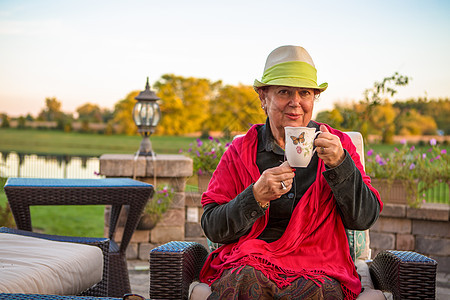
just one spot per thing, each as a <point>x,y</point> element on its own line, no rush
<point>38,266</point>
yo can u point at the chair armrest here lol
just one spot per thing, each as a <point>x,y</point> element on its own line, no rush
<point>173,267</point>
<point>101,288</point>
<point>407,275</point>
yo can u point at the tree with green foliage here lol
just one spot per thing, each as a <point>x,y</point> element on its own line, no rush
<point>89,112</point>
<point>235,108</point>
<point>21,122</point>
<point>184,103</point>
<point>123,115</point>
<point>437,109</point>
<point>4,119</point>
<point>380,93</point>
<point>383,116</point>
<point>410,122</point>
<point>333,118</point>
<point>52,110</point>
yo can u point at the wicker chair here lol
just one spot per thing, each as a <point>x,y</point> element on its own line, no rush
<point>101,288</point>
<point>407,275</point>
<point>175,265</point>
<point>117,192</point>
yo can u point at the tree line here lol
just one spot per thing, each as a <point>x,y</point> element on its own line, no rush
<point>377,114</point>
<point>191,104</point>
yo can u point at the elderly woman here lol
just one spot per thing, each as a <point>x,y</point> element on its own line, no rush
<point>283,229</point>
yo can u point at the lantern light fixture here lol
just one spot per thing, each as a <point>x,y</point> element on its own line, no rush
<point>146,116</point>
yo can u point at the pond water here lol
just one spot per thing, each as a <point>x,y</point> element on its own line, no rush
<point>13,164</point>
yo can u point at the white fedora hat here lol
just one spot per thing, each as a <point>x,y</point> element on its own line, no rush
<point>290,66</point>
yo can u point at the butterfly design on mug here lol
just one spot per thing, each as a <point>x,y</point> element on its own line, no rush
<point>299,139</point>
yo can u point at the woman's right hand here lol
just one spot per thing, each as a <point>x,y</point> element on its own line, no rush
<point>269,186</point>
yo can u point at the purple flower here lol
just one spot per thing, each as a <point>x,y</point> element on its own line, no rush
<point>396,149</point>
<point>412,148</point>
<point>379,160</point>
<point>437,157</point>
<point>200,172</point>
<point>198,153</point>
<point>433,142</point>
<point>199,143</point>
<point>403,142</point>
<point>210,138</point>
<point>412,166</point>
<point>429,150</point>
<point>443,151</point>
<point>424,155</point>
<point>180,151</point>
<point>370,152</point>
<point>227,145</point>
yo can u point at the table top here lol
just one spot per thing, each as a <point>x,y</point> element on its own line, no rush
<point>50,182</point>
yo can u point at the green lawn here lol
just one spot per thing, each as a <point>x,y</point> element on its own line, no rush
<point>58,142</point>
<point>85,221</point>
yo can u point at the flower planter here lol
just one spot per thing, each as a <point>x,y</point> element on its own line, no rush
<point>147,222</point>
<point>395,191</point>
<point>203,181</point>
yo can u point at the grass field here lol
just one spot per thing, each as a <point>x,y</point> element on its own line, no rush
<point>58,142</point>
<point>85,221</point>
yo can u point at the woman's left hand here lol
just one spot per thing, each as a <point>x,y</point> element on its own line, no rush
<point>329,148</point>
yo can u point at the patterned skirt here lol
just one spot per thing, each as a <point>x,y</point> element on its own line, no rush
<point>250,283</point>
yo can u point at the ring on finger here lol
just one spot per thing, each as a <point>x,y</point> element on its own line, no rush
<point>323,150</point>
<point>283,186</point>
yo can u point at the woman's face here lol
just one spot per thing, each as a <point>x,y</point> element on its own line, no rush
<point>287,106</point>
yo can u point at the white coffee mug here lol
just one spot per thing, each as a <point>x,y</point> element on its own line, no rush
<point>299,145</point>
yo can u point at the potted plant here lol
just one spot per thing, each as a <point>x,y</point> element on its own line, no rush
<point>396,175</point>
<point>206,156</point>
<point>156,207</point>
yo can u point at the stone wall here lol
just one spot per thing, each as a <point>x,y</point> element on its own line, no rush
<point>194,211</point>
<point>425,230</point>
<point>173,170</point>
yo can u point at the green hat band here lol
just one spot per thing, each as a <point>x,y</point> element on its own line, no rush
<point>291,70</point>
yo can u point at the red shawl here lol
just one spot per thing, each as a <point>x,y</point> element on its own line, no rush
<point>314,244</point>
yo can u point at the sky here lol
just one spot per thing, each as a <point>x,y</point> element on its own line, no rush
<point>99,51</point>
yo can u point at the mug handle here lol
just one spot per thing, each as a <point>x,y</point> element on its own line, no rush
<point>315,136</point>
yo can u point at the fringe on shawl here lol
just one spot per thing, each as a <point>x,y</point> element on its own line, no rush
<point>283,277</point>
<point>280,276</point>
<point>348,295</point>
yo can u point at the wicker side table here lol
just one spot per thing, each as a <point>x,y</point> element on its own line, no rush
<point>117,192</point>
